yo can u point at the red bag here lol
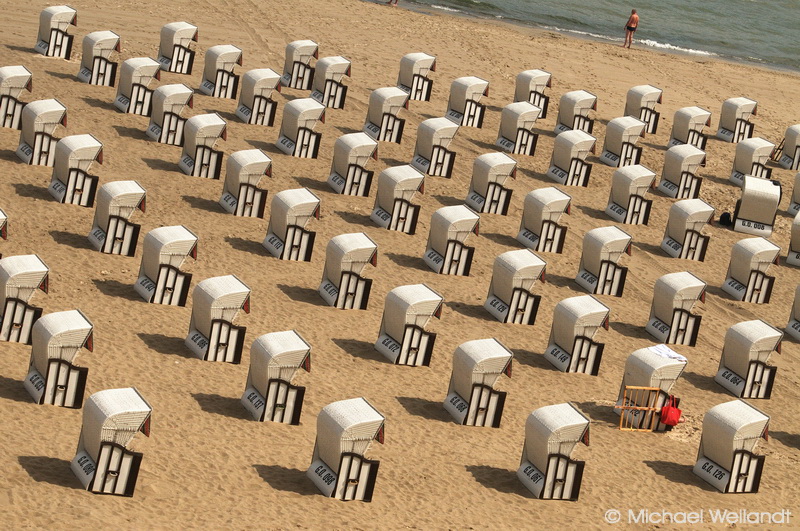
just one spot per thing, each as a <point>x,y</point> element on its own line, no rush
<point>670,414</point>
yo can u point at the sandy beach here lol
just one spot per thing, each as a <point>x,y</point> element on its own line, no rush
<point>207,464</point>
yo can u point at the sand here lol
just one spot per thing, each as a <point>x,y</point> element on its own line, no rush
<point>207,464</point>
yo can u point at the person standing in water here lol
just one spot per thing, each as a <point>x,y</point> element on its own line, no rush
<point>630,28</point>
<point>391,3</point>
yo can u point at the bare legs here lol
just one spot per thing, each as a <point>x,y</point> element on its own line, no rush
<point>628,38</point>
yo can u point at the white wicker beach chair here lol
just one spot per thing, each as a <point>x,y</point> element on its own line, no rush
<point>256,105</point>
<point>640,102</point>
<point>671,318</point>
<point>743,368</point>
<point>287,237</point>
<point>13,80</point>
<point>413,78</point>
<point>297,70</point>
<point>734,119</point>
<point>215,303</point>
<point>166,124</point>
<point>219,80</point>
<point>383,123</point>
<point>54,41</point>
<point>37,141</point>
<point>97,68</point>
<point>756,211</point>
<point>393,208</point>
<point>511,298</point>
<point>487,191</point>
<point>790,151</point>
<point>346,256</point>
<point>684,236</point>
<point>464,106</point>
<point>568,164</point>
<point>530,86</point>
<point>174,51</point>
<point>747,278</point>
<point>431,155</point>
<point>446,252</point>
<point>679,178</point>
<point>619,148</point>
<point>516,128</point>
<point>626,201</point>
<point>200,135</point>
<point>20,277</point>
<point>71,181</point>
<point>539,229</point>
<point>403,338</point>
<point>573,111</point>
<point>297,137</point>
<point>600,272</point>
<point>328,88</point>
<point>751,158</point>
<point>349,174</point>
<point>135,75</point>
<point>161,280</point>
<point>793,328</point>
<point>112,231</point>
<point>572,346</point>
<point>687,127</point>
<point>241,195</point>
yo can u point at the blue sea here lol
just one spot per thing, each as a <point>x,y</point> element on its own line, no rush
<point>757,31</point>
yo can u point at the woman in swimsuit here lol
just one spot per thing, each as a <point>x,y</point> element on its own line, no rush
<point>630,28</point>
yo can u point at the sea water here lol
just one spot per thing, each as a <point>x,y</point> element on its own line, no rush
<point>759,31</point>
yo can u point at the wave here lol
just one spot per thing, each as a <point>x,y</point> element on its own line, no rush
<point>445,8</point>
<point>667,46</point>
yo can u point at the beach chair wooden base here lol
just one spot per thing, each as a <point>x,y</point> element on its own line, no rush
<point>139,102</point>
<point>180,62</point>
<point>636,212</point>
<point>757,384</point>
<point>351,294</point>
<point>114,472</point>
<point>584,358</point>
<point>484,408</point>
<point>743,478</point>
<point>402,218</point>
<point>250,203</point>
<point>59,45</point>
<point>283,402</point>
<point>561,481</point>
<point>758,289</point>
<point>357,182</point>
<point>63,385</point>
<point>10,112</point>
<point>224,86</point>
<point>170,131</point>
<point>79,189</point>
<point>171,288</point>
<point>262,113</point>
<point>103,73</point>
<point>610,281</point>
<point>415,349</point>
<point>682,330</point>
<point>298,245</point>
<point>577,175</point>
<point>120,237</point>
<point>206,163</point>
<point>301,77</point>
<point>420,89</point>
<point>457,259</point>
<point>354,479</point>
<point>41,153</point>
<point>389,130</point>
<point>550,241</point>
<point>17,321</point>
<point>522,308</point>
<point>333,96</point>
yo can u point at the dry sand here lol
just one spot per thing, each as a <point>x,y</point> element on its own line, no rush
<point>207,465</point>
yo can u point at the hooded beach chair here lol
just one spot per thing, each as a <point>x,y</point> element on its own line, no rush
<point>393,208</point>
<point>20,277</point>
<point>161,280</point>
<point>472,399</point>
<point>650,373</point>
<point>568,164</point>
<point>600,272</point>
<point>431,155</point>
<point>297,70</point>
<point>640,102</point>
<point>166,124</point>
<point>71,182</point>
<point>743,368</point>
<point>793,258</point>
<point>53,378</point>
<point>619,147</point>
<point>37,141</point>
<point>747,278</point>
<point>241,195</point>
<point>684,236</point>
<point>219,81</point>
<point>794,203</point>
<point>464,106</point>
<point>297,137</point>
<point>734,119</point>
<point>174,52</point>
<point>351,153</point>
<point>201,133</point>
<point>573,111</point>
<point>215,303</point>
<point>382,123</point>
<point>327,87</point>
<point>626,201</point>
<point>54,41</point>
<point>104,463</point>
<point>112,231</point>
<point>755,212</point>
<point>790,154</point>
<point>687,127</point>
<point>751,158</point>
<point>571,347</point>
<point>339,467</point>
<point>13,80</point>
<point>403,339</point>
<point>446,252</point>
<point>487,193</point>
<point>671,318</point>
<point>679,178</point>
<point>546,467</point>
<point>97,68</point>
<point>511,298</point>
<point>413,78</point>
<point>539,229</point>
<point>726,459</point>
<point>287,237</point>
<point>793,328</point>
<point>269,394</point>
<point>530,86</point>
<point>135,75</point>
<point>256,105</point>
<point>346,256</point>
<point>516,128</point>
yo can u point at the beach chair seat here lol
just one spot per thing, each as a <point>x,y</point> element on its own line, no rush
<point>516,128</point>
<point>166,123</point>
<point>752,155</point>
<point>747,278</point>
<point>684,236</point>
<point>446,252</point>
<point>687,127</point>
<point>382,123</point>
<point>511,298</point>
<point>54,41</point>
<point>219,79</point>
<point>619,148</point>
<point>734,119</point>
<point>53,377</point>
<point>393,209</point>
<point>97,68</point>
<point>626,201</point>
<point>530,86</point>
<point>487,191</point>
<point>20,277</point>
<point>755,212</point>
<point>256,105</point>
<point>793,328</point>
<point>112,231</point>
<point>297,137</point>
<point>174,50</point>
<point>431,155</point>
<point>413,77</point>
<point>572,346</point>
<point>103,462</point>
<point>640,102</point>
<point>671,318</point>
<point>37,141</point>
<point>135,75</point>
<point>568,164</point>
<point>573,111</point>
<point>346,256</point>
<point>297,70</point>
<point>328,88</point>
<point>161,280</point>
<point>679,178</point>
<point>472,399</point>
<point>13,80</point>
<point>600,272</point>
<point>743,368</point>
<point>287,236</point>
<point>215,303</point>
<point>464,106</point>
<point>201,133</point>
<point>71,181</point>
<point>790,154</point>
<point>241,195</point>
<point>539,228</point>
<point>351,153</point>
<point>546,466</point>
<point>339,467</point>
<point>269,393</point>
<point>403,338</point>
